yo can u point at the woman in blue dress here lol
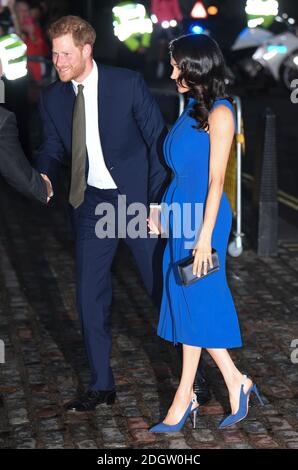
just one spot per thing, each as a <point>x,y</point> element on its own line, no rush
<point>196,214</point>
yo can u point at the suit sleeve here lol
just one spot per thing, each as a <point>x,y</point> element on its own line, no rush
<point>14,166</point>
<point>152,127</point>
<point>50,155</point>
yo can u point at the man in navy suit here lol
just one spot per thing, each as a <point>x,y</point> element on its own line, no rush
<point>123,130</point>
<point>104,124</point>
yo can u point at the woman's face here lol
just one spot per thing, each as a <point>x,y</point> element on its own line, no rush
<point>22,10</point>
<point>175,75</point>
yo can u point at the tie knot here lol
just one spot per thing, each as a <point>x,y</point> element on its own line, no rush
<point>80,88</point>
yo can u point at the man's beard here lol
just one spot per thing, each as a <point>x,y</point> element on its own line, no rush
<point>71,73</point>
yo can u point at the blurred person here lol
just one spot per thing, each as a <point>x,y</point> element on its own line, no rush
<point>14,166</point>
<point>33,37</point>
<point>8,21</point>
<point>5,21</point>
<point>165,11</point>
<point>102,123</point>
<point>16,89</point>
<point>38,12</point>
<point>197,149</point>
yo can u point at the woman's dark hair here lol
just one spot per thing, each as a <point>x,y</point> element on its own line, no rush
<point>202,70</point>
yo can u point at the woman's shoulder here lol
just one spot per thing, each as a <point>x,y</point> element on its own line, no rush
<point>222,109</point>
<point>223,102</point>
<point>227,102</point>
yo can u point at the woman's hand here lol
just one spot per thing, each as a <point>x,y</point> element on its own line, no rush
<point>202,254</point>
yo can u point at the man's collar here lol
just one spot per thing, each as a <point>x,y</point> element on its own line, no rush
<point>90,79</point>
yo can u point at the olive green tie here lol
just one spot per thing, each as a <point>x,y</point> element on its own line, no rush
<point>78,165</point>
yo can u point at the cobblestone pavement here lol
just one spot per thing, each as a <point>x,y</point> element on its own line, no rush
<point>45,359</point>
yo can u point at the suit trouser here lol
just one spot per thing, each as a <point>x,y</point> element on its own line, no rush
<point>94,258</point>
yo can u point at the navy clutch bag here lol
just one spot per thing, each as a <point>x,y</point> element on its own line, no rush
<point>185,269</point>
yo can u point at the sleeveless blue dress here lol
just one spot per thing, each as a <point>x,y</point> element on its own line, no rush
<point>202,314</point>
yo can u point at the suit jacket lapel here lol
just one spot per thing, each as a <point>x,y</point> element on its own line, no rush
<point>101,105</point>
<point>105,109</point>
<point>68,101</point>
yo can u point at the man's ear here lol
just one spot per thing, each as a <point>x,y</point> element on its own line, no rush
<point>87,50</point>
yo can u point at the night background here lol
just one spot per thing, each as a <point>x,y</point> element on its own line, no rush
<point>257,92</point>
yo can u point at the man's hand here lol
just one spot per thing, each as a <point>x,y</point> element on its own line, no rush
<point>153,221</point>
<point>48,183</point>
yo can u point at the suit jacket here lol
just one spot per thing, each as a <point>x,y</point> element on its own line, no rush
<point>131,130</point>
<point>14,166</point>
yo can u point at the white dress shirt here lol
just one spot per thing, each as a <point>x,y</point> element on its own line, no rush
<point>98,174</point>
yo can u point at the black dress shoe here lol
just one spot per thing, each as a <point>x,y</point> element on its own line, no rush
<point>89,400</point>
<point>201,389</point>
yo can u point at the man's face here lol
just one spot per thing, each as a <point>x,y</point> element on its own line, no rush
<point>68,59</point>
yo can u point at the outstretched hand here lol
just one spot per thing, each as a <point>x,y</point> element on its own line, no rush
<point>48,183</point>
<point>153,221</point>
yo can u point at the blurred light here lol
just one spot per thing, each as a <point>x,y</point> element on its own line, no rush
<point>165,24</point>
<point>13,56</point>
<point>124,31</point>
<point>285,16</point>
<point>154,19</point>
<point>196,29</point>
<point>199,11</point>
<point>295,60</point>
<point>212,10</point>
<point>243,33</point>
<point>261,7</point>
<point>278,49</point>
<point>291,21</point>
<point>173,23</point>
<point>129,19</point>
<point>270,55</point>
<point>129,10</point>
<point>255,22</point>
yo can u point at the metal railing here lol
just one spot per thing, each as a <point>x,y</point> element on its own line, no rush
<point>235,247</point>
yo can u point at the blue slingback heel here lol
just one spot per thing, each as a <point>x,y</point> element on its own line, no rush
<point>162,427</point>
<point>243,406</point>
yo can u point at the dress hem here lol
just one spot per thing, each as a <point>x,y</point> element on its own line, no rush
<point>189,343</point>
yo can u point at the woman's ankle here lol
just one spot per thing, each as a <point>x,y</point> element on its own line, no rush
<point>234,380</point>
<point>184,393</point>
